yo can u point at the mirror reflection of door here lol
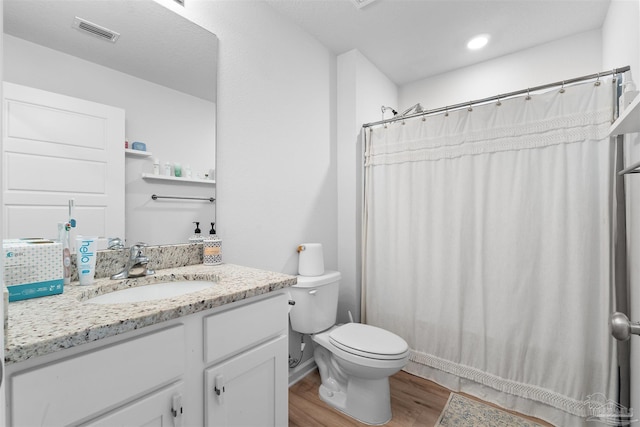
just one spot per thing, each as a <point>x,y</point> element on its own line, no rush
<point>56,148</point>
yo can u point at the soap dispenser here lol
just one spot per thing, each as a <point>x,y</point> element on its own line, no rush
<point>212,248</point>
<point>197,237</point>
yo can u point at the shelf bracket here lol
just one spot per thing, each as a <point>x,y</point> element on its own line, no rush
<point>634,168</point>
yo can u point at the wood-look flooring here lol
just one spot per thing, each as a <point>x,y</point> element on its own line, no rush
<point>415,402</point>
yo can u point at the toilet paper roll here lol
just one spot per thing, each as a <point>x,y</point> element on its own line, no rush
<point>310,259</point>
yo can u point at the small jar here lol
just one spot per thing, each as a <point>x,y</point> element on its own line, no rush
<point>187,171</point>
<point>177,170</point>
<point>167,169</point>
<point>156,166</point>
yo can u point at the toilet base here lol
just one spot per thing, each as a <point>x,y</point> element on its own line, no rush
<point>368,401</point>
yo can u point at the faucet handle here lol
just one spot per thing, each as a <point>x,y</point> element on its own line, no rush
<point>115,243</point>
<point>137,249</point>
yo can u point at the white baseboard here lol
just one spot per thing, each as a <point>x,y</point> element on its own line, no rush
<point>301,371</point>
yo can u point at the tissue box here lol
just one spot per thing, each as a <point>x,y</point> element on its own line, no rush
<point>32,268</point>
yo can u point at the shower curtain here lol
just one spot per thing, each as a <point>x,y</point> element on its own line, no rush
<point>487,237</point>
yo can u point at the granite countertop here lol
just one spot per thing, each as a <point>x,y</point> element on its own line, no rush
<point>40,326</point>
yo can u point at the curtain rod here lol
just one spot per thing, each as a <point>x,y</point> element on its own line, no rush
<point>500,97</point>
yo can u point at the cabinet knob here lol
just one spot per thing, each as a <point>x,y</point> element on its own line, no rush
<point>218,385</point>
<point>176,409</point>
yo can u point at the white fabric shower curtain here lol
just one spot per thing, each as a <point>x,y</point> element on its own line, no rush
<point>486,245</point>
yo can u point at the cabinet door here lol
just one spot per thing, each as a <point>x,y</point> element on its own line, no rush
<point>160,409</point>
<point>249,389</point>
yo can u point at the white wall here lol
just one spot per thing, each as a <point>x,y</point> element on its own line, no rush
<point>569,57</point>
<point>176,127</point>
<point>621,46</point>
<point>276,175</point>
<point>362,90</point>
<point>276,133</point>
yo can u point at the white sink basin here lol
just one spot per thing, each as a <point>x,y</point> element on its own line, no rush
<point>153,292</point>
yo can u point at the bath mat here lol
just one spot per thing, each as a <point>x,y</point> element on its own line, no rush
<point>462,412</point>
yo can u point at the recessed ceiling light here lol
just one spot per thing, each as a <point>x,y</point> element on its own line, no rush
<point>478,42</point>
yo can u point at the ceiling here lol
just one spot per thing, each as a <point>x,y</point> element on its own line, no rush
<point>409,40</point>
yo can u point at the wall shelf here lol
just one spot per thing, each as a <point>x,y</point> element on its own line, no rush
<point>137,153</point>
<point>629,120</point>
<point>178,179</point>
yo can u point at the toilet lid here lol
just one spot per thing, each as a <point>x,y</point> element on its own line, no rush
<point>368,341</point>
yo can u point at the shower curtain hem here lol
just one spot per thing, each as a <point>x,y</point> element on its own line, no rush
<point>496,390</point>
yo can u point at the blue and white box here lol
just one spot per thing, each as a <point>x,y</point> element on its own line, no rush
<point>32,268</point>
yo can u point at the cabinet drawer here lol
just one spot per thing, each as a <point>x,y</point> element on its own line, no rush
<point>73,389</point>
<point>237,329</point>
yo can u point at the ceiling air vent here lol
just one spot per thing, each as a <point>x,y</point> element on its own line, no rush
<point>95,30</point>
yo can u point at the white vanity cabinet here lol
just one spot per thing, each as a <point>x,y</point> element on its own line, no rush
<point>165,374</point>
<point>247,382</point>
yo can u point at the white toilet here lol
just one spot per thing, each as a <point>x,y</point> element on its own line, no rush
<point>354,360</point>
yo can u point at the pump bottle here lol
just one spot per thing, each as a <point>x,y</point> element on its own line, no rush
<point>196,237</point>
<point>212,248</point>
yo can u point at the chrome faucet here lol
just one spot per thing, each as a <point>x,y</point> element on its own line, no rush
<point>136,265</point>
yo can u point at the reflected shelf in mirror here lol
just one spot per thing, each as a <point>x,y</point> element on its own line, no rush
<point>137,153</point>
<point>178,179</point>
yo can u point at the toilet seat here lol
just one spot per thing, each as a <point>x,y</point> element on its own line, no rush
<point>368,341</point>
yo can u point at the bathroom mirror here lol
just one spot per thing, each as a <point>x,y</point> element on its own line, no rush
<point>161,70</point>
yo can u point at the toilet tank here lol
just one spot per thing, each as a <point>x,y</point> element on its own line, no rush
<point>316,302</point>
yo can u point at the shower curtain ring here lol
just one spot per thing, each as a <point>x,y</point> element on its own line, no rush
<point>499,103</point>
<point>597,82</point>
<point>446,111</point>
<point>562,88</point>
<point>528,97</point>
<point>470,108</point>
